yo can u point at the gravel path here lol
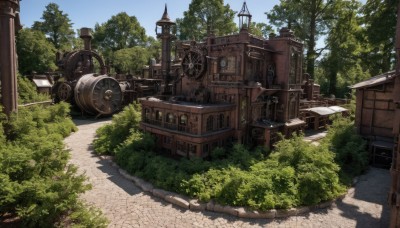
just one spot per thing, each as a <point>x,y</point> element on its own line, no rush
<point>125,205</point>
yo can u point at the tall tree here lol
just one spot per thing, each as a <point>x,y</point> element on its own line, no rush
<point>379,23</point>
<point>309,19</point>
<point>35,52</point>
<point>57,27</point>
<point>131,60</point>
<point>204,16</point>
<point>119,32</point>
<point>342,63</point>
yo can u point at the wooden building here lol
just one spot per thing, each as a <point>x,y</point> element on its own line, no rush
<point>375,115</point>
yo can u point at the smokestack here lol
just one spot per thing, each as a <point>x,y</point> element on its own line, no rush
<point>86,36</point>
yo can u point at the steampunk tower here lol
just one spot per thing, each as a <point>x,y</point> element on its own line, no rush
<point>163,31</point>
<point>239,88</point>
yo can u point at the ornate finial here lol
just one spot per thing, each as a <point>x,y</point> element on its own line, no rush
<point>165,16</point>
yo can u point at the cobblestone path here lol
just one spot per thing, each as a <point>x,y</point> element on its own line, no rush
<point>126,205</point>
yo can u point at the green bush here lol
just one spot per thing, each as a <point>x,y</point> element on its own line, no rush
<point>27,92</point>
<point>348,146</point>
<point>36,182</point>
<point>112,135</point>
<point>296,173</point>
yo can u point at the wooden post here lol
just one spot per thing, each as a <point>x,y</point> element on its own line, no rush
<point>8,57</point>
<point>394,195</point>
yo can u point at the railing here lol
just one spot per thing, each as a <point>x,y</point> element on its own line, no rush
<point>49,102</point>
<point>154,122</point>
<point>171,126</point>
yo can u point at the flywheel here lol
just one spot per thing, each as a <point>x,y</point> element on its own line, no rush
<point>194,63</point>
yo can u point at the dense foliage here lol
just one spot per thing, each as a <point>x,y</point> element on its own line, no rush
<point>131,60</point>
<point>349,147</point>
<point>36,182</point>
<point>35,52</point>
<point>112,135</point>
<point>205,16</point>
<point>57,26</point>
<point>122,33</point>
<point>27,92</point>
<point>296,173</point>
<point>358,38</point>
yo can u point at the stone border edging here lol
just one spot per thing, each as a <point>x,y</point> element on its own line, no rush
<point>195,205</point>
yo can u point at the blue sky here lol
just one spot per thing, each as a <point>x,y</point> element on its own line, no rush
<point>87,12</point>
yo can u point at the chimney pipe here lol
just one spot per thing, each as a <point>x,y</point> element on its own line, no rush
<point>86,36</point>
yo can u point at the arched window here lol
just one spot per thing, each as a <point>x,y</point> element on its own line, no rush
<point>221,121</point>
<point>147,114</point>
<point>170,118</point>
<point>183,120</point>
<point>210,123</point>
<point>159,115</point>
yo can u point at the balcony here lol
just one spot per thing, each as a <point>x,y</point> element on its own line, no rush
<point>170,126</point>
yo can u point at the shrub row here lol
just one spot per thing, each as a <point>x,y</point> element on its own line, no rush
<point>37,185</point>
<point>296,173</point>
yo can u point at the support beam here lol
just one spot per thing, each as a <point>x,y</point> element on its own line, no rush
<point>394,195</point>
<point>8,57</point>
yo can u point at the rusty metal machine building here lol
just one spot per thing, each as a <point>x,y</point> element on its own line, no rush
<point>237,87</point>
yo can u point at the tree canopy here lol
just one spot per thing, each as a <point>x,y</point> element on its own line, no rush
<point>35,52</point>
<point>379,23</point>
<point>131,60</point>
<point>309,19</point>
<point>121,31</point>
<point>57,27</point>
<point>204,16</point>
<point>341,66</point>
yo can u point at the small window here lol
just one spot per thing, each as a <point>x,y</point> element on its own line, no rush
<point>221,120</point>
<point>210,123</point>
<point>159,115</point>
<point>147,113</point>
<point>183,120</point>
<point>170,118</point>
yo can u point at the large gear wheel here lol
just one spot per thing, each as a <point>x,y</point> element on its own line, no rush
<point>64,92</point>
<point>194,63</point>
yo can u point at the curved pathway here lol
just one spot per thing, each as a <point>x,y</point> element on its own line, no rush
<point>125,205</point>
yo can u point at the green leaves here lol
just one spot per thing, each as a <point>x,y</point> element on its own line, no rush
<point>35,52</point>
<point>120,32</point>
<point>36,184</point>
<point>57,26</point>
<point>203,17</point>
<point>112,135</point>
<point>296,173</point>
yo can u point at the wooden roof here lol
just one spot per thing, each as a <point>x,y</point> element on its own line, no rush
<point>377,80</point>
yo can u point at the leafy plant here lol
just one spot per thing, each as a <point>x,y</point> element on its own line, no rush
<point>296,173</point>
<point>112,135</point>
<point>36,183</point>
